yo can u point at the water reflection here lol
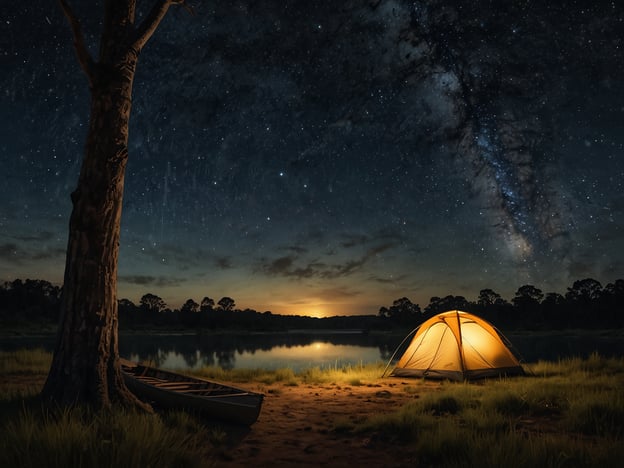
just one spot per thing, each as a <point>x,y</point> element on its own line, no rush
<point>270,351</point>
<point>318,354</point>
<point>314,349</point>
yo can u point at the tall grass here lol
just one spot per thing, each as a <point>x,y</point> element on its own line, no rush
<point>348,374</point>
<point>23,361</point>
<point>284,376</point>
<point>32,435</point>
<point>570,413</point>
<point>80,438</point>
<point>21,374</point>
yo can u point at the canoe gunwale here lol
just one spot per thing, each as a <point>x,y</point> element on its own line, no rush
<point>220,401</point>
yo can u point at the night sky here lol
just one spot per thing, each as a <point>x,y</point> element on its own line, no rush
<point>326,158</point>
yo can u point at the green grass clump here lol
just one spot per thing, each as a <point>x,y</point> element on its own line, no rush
<point>314,375</point>
<point>25,361</point>
<point>285,376</point>
<point>594,365</point>
<point>403,425</point>
<point>441,404</point>
<point>352,375</point>
<point>80,437</point>
<point>598,413</point>
<point>348,374</point>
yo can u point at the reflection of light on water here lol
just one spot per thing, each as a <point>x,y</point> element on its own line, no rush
<point>318,354</point>
<point>323,355</point>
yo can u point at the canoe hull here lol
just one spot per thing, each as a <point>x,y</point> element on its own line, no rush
<point>170,390</point>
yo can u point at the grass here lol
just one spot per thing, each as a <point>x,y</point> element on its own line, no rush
<point>36,361</point>
<point>567,413</point>
<point>284,376</point>
<point>78,437</point>
<point>32,435</point>
<point>352,375</point>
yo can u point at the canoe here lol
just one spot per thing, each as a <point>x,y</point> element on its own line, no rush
<point>166,389</point>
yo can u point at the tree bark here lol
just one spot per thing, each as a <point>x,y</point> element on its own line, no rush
<point>85,367</point>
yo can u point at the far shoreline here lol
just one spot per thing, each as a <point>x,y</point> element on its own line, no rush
<point>14,330</point>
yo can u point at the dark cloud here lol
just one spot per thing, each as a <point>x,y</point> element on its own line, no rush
<point>11,252</point>
<point>184,257</point>
<point>280,266</point>
<point>353,240</point>
<point>286,266</point>
<point>297,249</point>
<point>16,254</point>
<point>223,263</point>
<point>153,281</point>
<point>49,254</point>
<point>388,280</point>
<point>40,236</point>
<point>338,294</point>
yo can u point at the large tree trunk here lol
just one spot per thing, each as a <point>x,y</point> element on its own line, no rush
<point>85,367</point>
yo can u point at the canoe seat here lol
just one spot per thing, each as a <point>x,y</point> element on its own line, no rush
<point>214,394</point>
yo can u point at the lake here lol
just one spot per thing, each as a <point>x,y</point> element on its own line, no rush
<point>303,349</point>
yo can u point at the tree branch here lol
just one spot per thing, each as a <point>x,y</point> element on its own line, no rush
<point>152,20</point>
<point>84,58</point>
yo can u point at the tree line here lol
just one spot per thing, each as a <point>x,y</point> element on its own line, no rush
<point>586,304</point>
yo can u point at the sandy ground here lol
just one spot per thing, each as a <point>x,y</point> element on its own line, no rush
<point>297,426</point>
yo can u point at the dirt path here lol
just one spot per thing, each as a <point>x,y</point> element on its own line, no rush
<point>297,426</point>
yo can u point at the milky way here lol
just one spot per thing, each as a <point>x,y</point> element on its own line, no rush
<point>331,157</point>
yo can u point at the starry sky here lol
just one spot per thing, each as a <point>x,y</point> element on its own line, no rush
<point>326,158</point>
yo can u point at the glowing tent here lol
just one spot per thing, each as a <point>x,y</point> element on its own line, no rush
<point>458,346</point>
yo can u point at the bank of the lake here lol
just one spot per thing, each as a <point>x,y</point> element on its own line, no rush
<point>566,413</point>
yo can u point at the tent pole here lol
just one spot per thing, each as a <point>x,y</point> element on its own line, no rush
<point>397,349</point>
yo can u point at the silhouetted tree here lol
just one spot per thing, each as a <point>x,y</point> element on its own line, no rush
<point>128,312</point>
<point>206,311</point>
<point>488,297</point>
<point>584,291</point>
<point>583,302</point>
<point>190,306</point>
<point>527,304</point>
<point>554,310</point>
<point>613,303</point>
<point>527,293</point>
<point>207,304</point>
<point>402,312</point>
<point>189,313</point>
<point>29,300</point>
<point>450,302</point>
<point>615,289</point>
<point>152,303</point>
<point>226,304</point>
<point>491,306</point>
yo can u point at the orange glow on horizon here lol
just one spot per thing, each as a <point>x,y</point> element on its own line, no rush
<point>280,299</point>
<point>316,311</point>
